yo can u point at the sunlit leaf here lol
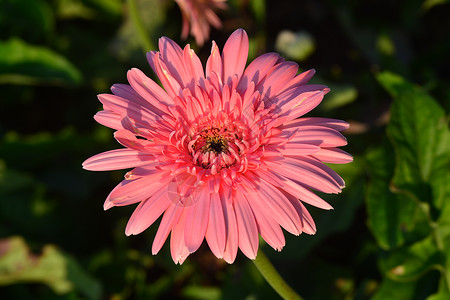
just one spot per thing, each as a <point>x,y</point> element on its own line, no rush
<point>202,292</point>
<point>409,263</point>
<point>419,132</point>
<point>18,265</point>
<point>295,45</point>
<point>341,95</point>
<point>112,7</point>
<point>391,290</point>
<point>391,217</point>
<point>21,63</point>
<point>428,4</point>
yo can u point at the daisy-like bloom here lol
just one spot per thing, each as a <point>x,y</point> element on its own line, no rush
<point>222,153</point>
<point>198,15</point>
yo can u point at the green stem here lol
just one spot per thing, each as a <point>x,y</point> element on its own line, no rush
<point>139,25</point>
<point>271,275</point>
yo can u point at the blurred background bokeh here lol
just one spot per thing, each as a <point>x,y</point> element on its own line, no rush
<point>388,66</point>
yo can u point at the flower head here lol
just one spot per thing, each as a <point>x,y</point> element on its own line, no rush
<point>221,154</point>
<point>198,15</point>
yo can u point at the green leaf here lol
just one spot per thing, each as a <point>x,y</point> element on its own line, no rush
<point>410,263</point>
<point>419,132</point>
<point>21,63</point>
<point>113,7</point>
<point>17,265</point>
<point>295,45</point>
<point>82,281</point>
<point>53,268</point>
<point>391,290</point>
<point>439,296</point>
<point>391,217</point>
<point>342,95</point>
<point>202,292</point>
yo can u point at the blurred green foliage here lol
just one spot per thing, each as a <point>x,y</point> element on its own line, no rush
<point>388,236</point>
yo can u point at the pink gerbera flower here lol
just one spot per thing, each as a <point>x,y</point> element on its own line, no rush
<point>198,15</point>
<point>221,154</point>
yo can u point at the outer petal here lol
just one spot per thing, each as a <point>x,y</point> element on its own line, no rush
<point>314,135</point>
<point>257,70</point>
<point>333,155</point>
<point>247,229</point>
<point>178,248</point>
<point>276,80</point>
<point>269,228</point>
<point>328,123</point>
<point>216,231</point>
<point>132,109</point>
<point>147,212</point>
<point>172,58</point>
<point>133,191</point>
<point>109,119</point>
<point>274,203</point>
<point>197,221</point>
<point>309,226</point>
<point>149,90</point>
<point>214,62</point>
<point>193,66</point>
<point>301,79</point>
<point>232,239</point>
<point>117,159</point>
<point>170,218</point>
<point>234,55</point>
<point>311,175</point>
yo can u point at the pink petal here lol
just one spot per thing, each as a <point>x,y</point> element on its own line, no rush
<point>310,175</point>
<point>178,248</point>
<point>315,135</point>
<point>234,55</point>
<point>308,224</point>
<point>247,229</point>
<point>257,70</point>
<point>275,81</point>
<point>216,231</point>
<point>297,149</point>
<point>155,96</point>
<point>313,121</point>
<point>132,109</point>
<point>270,229</point>
<point>109,119</point>
<point>126,91</point>
<point>197,221</point>
<point>309,101</point>
<point>147,212</point>
<point>274,203</point>
<point>169,219</point>
<point>193,66</point>
<point>108,204</point>
<point>333,155</point>
<point>170,84</point>
<point>129,140</point>
<point>133,191</point>
<point>117,159</point>
<point>321,168</point>
<point>300,192</point>
<point>301,79</point>
<point>214,62</point>
<point>232,238</point>
<point>173,61</point>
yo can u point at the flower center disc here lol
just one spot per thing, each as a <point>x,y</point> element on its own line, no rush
<point>216,145</point>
